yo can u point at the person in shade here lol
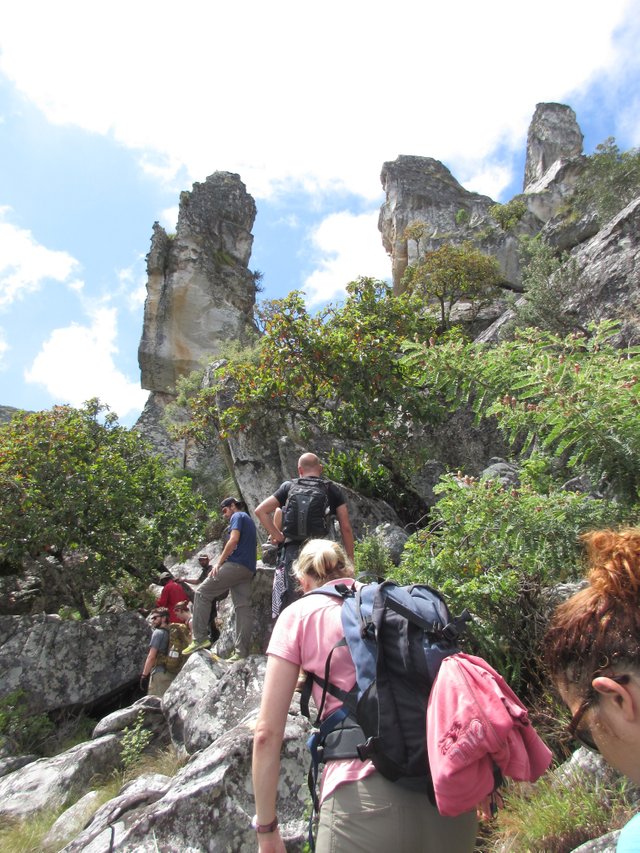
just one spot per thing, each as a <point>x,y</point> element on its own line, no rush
<point>234,571</point>
<point>592,652</point>
<point>154,678</point>
<point>360,810</point>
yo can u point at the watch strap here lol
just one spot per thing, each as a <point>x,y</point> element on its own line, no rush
<point>264,827</point>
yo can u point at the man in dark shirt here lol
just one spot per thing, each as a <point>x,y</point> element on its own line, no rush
<point>310,468</point>
<point>234,571</point>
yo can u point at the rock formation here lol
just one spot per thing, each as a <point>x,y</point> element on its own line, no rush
<point>200,297</point>
<point>553,136</point>
<point>200,293</point>
<point>423,190</point>
<point>65,663</point>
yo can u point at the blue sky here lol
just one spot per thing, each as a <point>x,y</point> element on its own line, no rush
<point>108,112</point>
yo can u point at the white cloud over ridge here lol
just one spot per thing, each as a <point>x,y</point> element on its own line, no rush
<point>346,246</point>
<point>76,363</point>
<point>25,264</point>
<point>317,99</point>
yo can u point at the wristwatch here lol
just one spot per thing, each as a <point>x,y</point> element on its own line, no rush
<point>264,827</point>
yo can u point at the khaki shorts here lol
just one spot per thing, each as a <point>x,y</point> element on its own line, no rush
<point>379,816</point>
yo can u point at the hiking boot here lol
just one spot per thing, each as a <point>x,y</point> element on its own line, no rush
<point>195,646</point>
<point>236,656</point>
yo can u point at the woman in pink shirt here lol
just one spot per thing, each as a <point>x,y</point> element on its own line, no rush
<point>360,809</point>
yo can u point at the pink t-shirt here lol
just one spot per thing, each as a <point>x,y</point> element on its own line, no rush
<point>304,634</point>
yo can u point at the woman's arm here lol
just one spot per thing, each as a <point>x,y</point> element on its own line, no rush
<point>279,684</point>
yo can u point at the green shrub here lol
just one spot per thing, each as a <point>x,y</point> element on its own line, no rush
<point>135,740</point>
<point>462,217</point>
<point>23,729</point>
<point>361,471</point>
<point>609,182</point>
<point>372,558</point>
<point>508,215</point>
<point>493,549</point>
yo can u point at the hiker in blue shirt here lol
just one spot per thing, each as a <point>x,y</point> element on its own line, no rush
<point>233,571</point>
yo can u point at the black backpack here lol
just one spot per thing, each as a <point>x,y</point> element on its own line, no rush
<point>305,512</point>
<point>397,636</point>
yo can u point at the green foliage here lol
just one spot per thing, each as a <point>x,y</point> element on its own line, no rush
<point>492,549</point>
<point>462,217</point>
<point>611,180</point>
<point>27,836</point>
<point>548,816</point>
<point>69,483</point>
<point>372,559</point>
<point>508,215</point>
<point>452,274</point>
<point>22,728</point>
<point>135,739</point>
<point>549,280</point>
<point>339,371</point>
<point>360,471</point>
<point>576,399</point>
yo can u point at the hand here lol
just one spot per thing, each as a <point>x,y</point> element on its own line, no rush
<point>270,842</point>
<point>214,571</point>
<point>144,682</point>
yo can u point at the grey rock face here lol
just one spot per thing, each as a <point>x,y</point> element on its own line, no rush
<point>394,539</point>
<point>553,135</point>
<point>208,804</point>
<point>150,707</point>
<point>421,189</point>
<point>48,782</point>
<point>67,663</point>
<point>71,821</point>
<point>200,292</point>
<point>609,270</point>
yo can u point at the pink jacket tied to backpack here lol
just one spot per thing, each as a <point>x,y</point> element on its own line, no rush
<point>475,722</point>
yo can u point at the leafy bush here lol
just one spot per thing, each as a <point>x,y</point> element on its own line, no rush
<point>575,398</point>
<point>611,180</point>
<point>360,471</point>
<point>372,559</point>
<point>549,281</point>
<point>23,729</point>
<point>135,740</point>
<point>508,215</point>
<point>452,274</point>
<point>74,481</point>
<point>493,549</point>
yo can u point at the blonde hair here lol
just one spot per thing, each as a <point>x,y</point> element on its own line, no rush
<point>322,560</point>
<point>599,626</point>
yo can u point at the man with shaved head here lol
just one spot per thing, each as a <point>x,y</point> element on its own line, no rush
<point>308,504</point>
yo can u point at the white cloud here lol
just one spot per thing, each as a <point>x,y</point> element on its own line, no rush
<point>4,348</point>
<point>169,218</point>
<point>25,264</point>
<point>347,246</point>
<point>76,363</point>
<point>133,284</point>
<point>316,96</point>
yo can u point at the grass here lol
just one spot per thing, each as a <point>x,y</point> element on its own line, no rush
<point>548,817</point>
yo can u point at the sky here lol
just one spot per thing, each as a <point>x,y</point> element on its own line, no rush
<point>108,111</point>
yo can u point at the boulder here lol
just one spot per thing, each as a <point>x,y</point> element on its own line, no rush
<point>150,707</point>
<point>234,695</point>
<point>208,805</point>
<point>394,538</point>
<point>71,822</point>
<point>71,663</point>
<point>49,782</point>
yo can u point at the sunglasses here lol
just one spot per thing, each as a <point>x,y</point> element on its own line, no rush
<point>583,735</point>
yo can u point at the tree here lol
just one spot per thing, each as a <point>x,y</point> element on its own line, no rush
<point>610,180</point>
<point>73,485</point>
<point>576,398</point>
<point>339,371</point>
<point>452,274</point>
